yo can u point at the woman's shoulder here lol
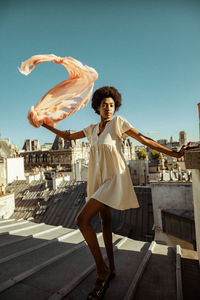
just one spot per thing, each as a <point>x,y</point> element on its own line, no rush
<point>119,119</point>
<point>90,131</point>
<point>121,126</point>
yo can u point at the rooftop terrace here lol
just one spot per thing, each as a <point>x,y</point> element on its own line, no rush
<point>39,261</point>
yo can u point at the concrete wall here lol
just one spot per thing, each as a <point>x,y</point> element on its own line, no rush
<point>7,206</point>
<point>196,193</point>
<point>171,195</point>
<point>15,169</point>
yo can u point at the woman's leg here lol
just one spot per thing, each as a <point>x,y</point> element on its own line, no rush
<point>106,224</point>
<point>90,209</point>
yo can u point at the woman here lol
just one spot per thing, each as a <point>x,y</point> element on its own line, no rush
<point>109,183</point>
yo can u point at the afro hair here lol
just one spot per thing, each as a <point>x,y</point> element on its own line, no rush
<point>106,92</point>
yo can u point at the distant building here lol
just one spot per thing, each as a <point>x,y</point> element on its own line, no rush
<point>7,149</point>
<point>169,144</point>
<point>128,149</point>
<point>163,142</point>
<point>182,138</point>
<point>175,145</point>
<point>139,171</point>
<point>63,153</point>
<point>8,152</point>
<point>66,154</point>
<point>31,145</point>
<point>46,146</point>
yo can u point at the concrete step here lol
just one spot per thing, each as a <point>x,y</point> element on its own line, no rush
<point>7,221</point>
<point>30,244</point>
<point>6,228</point>
<point>20,267</point>
<point>6,239</point>
<point>47,262</point>
<point>55,271</point>
<point>127,262</point>
<point>139,272</point>
<point>83,274</point>
<point>44,232</point>
<point>159,279</point>
<point>27,229</point>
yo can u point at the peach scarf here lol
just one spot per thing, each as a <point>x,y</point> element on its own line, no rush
<point>65,98</point>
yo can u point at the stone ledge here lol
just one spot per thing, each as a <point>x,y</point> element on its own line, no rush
<point>192,159</point>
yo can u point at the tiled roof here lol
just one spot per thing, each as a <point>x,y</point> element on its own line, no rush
<point>39,261</point>
<point>61,206</point>
<point>50,206</point>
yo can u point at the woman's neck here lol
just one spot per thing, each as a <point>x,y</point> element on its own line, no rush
<point>104,121</point>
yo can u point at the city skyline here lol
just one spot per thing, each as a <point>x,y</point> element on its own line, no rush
<point>149,50</point>
<point>135,142</point>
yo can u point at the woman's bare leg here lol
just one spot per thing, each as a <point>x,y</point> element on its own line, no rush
<point>106,225</point>
<point>90,209</point>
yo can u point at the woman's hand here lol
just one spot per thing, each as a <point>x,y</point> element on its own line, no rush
<point>181,152</point>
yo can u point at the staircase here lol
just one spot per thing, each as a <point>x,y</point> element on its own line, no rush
<point>39,261</point>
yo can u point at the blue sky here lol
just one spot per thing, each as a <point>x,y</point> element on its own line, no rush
<point>149,50</point>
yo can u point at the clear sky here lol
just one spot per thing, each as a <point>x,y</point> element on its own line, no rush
<point>148,49</point>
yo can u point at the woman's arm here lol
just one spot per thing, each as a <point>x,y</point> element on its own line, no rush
<point>154,145</point>
<point>65,135</point>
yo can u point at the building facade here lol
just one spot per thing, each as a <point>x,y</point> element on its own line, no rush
<point>66,153</point>
<point>31,145</point>
<point>63,153</point>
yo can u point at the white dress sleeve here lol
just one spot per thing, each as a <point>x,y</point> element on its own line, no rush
<point>122,125</point>
<point>89,131</point>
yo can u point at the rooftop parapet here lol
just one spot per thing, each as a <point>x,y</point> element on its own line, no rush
<point>192,161</point>
<point>192,158</point>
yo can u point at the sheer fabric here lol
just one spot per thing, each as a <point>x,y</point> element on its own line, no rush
<point>65,98</point>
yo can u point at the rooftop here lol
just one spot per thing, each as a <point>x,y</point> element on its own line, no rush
<point>43,254</point>
<point>61,206</point>
<point>46,262</point>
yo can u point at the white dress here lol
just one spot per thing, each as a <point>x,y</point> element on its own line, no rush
<point>109,179</point>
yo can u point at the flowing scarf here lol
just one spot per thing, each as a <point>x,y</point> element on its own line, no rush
<point>66,97</point>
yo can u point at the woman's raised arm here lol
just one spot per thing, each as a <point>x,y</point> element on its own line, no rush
<point>65,135</point>
<point>154,145</point>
